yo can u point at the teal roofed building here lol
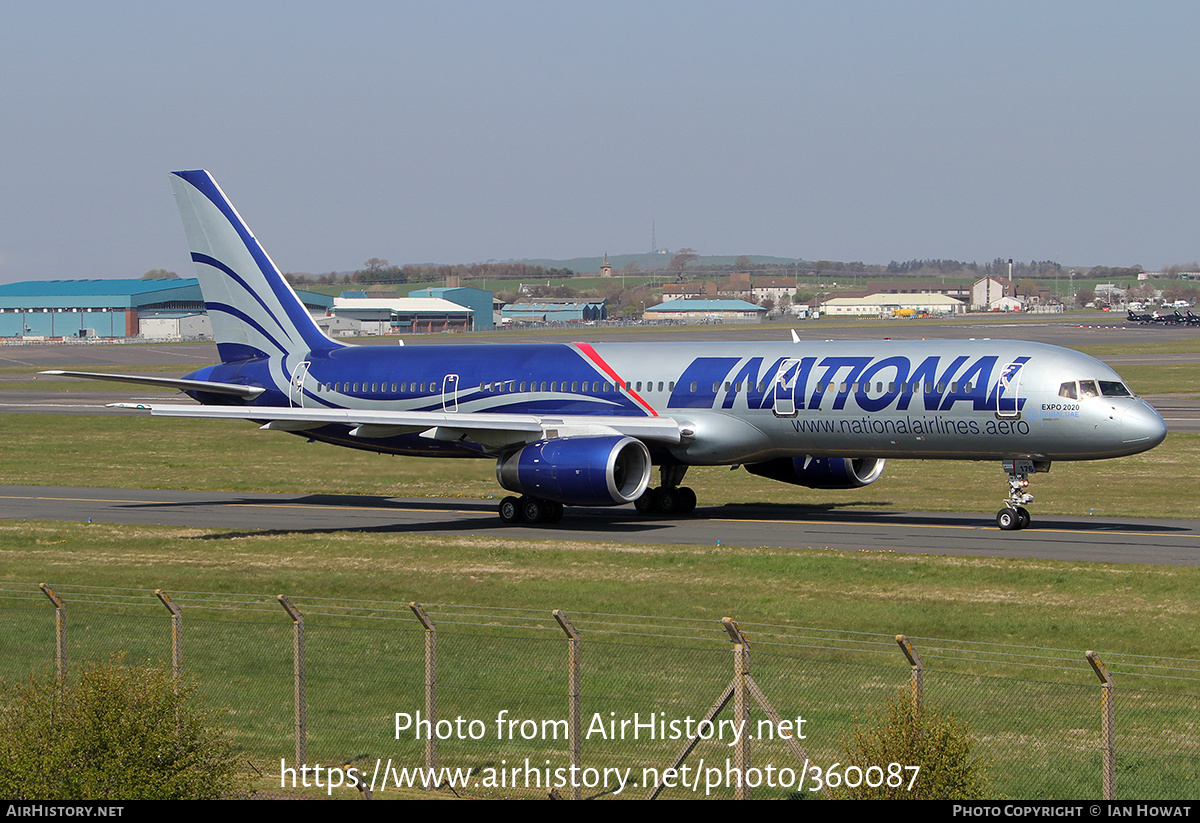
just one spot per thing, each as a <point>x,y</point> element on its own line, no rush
<point>706,311</point>
<point>104,308</point>
<point>90,308</point>
<point>556,311</point>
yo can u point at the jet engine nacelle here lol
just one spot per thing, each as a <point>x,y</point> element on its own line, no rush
<point>821,472</point>
<point>579,471</point>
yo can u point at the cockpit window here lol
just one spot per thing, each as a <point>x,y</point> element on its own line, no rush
<point>1087,388</point>
<point>1113,388</point>
<point>1068,390</point>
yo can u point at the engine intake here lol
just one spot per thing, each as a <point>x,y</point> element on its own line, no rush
<point>579,471</point>
<point>821,472</point>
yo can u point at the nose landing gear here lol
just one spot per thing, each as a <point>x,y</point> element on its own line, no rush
<point>1014,515</point>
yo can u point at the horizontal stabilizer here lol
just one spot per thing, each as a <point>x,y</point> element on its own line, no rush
<point>248,392</point>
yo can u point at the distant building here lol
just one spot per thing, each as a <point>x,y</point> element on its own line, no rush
<point>156,309</point>
<point>773,289</point>
<point>333,326</point>
<point>478,301</point>
<point>737,287</point>
<point>183,326</point>
<point>691,290</point>
<point>556,311</point>
<point>888,305</point>
<point>92,308</point>
<point>403,315</point>
<point>993,294</point>
<point>706,311</point>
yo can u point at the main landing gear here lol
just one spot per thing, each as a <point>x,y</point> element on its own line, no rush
<point>1014,515</point>
<point>670,498</point>
<point>530,510</point>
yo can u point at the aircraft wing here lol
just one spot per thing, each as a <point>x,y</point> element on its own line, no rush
<point>492,430</point>
<point>235,389</point>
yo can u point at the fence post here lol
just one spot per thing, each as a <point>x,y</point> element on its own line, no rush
<point>430,685</point>
<point>1107,725</point>
<point>301,717</point>
<point>574,710</point>
<point>917,683</point>
<point>741,704</point>
<point>176,634</point>
<point>60,631</point>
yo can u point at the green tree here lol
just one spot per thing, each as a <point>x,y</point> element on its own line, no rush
<point>113,733</point>
<point>160,274</point>
<point>915,736</point>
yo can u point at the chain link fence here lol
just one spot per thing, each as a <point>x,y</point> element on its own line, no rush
<point>516,703</point>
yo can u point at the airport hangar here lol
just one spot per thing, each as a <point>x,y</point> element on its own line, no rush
<point>173,308</point>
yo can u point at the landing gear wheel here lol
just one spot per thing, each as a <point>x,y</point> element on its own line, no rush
<point>1008,519</point>
<point>533,510</point>
<point>510,510</point>
<point>1023,518</point>
<point>554,511</point>
<point>677,501</point>
<point>687,499</point>
<point>648,502</point>
<point>669,502</point>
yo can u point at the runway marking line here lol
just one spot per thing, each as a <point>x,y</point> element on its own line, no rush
<point>1039,529</point>
<point>339,508</point>
<point>77,499</point>
<point>243,505</point>
<point>468,511</point>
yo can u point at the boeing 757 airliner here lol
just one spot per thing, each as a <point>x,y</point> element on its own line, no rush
<point>585,425</point>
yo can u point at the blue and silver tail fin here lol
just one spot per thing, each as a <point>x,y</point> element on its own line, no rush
<point>253,310</point>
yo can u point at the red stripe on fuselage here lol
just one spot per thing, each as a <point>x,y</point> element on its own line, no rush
<point>591,354</point>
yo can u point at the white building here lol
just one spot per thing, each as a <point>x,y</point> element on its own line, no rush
<point>397,315</point>
<point>889,305</point>
<point>989,293</point>
<point>190,326</point>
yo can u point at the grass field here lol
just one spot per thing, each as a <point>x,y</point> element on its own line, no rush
<point>819,623</point>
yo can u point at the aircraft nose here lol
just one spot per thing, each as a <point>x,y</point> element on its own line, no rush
<point>1143,425</point>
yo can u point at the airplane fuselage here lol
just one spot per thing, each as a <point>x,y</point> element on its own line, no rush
<point>740,402</point>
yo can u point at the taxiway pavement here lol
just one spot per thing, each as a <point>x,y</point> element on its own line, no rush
<point>1092,539</point>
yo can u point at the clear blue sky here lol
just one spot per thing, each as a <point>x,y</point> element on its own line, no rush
<point>459,132</point>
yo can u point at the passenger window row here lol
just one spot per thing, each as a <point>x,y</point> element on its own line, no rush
<point>598,387</point>
<point>595,387</point>
<point>377,388</point>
